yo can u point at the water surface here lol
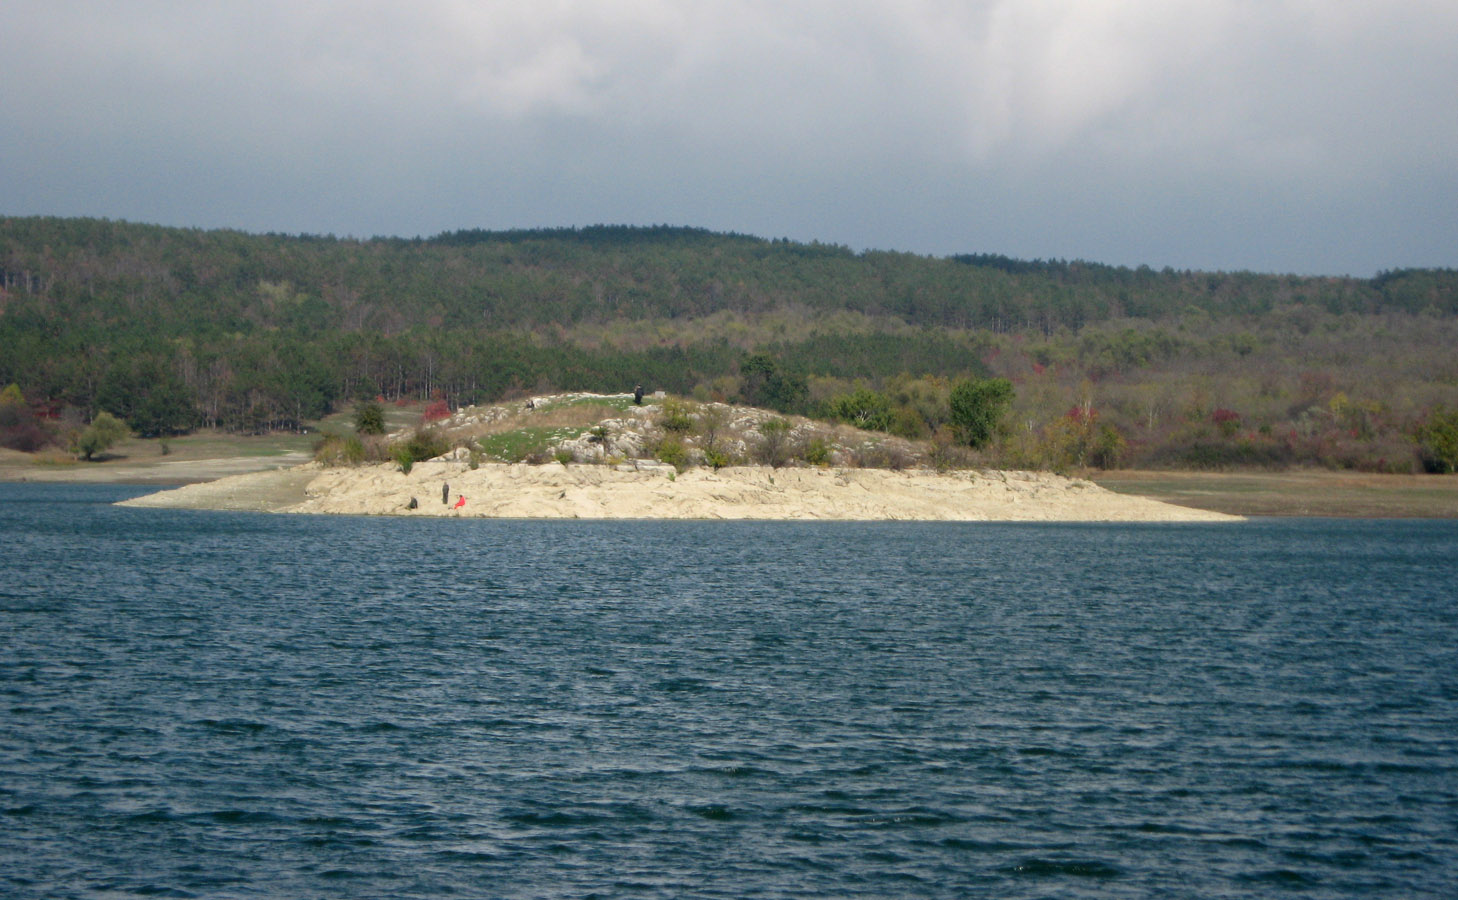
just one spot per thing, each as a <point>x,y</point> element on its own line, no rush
<point>199,704</point>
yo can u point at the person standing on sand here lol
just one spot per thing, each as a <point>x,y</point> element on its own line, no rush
<point>445,493</point>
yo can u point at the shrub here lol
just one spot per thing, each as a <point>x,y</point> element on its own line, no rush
<point>19,428</point>
<point>401,454</point>
<point>1108,447</point>
<point>1211,454</point>
<point>716,458</point>
<point>921,405</point>
<point>945,452</point>
<point>1227,420</point>
<point>27,436</point>
<point>436,411</point>
<point>1437,440</point>
<point>773,447</point>
<point>816,452</point>
<point>713,420</point>
<point>978,406</point>
<point>863,408</point>
<point>880,456</point>
<point>672,451</point>
<point>334,450</point>
<point>763,383</point>
<point>426,443</point>
<point>1079,439</point>
<point>423,444</point>
<point>908,423</point>
<point>601,434</point>
<point>354,450</point>
<point>564,456</point>
<point>369,419</point>
<point>677,416</point>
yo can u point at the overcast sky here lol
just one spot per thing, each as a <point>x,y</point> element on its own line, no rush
<point>1308,136</point>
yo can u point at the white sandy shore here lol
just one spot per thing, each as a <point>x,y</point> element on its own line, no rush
<point>656,492</point>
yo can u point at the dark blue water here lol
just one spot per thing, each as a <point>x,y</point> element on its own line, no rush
<point>237,705</point>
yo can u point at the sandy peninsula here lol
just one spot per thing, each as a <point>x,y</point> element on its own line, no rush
<point>657,491</point>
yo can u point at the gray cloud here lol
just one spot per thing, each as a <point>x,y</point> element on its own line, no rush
<point>1285,135</point>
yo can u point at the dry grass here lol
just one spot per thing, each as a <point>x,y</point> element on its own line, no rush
<point>1295,493</point>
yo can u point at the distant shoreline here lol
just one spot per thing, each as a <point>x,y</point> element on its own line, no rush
<point>16,467</point>
<point>1298,492</point>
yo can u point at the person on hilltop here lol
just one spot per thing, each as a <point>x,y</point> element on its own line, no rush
<point>638,395</point>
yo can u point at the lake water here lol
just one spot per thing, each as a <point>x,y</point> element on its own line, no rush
<point>199,704</point>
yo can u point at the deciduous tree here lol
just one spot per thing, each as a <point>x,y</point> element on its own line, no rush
<point>978,406</point>
<point>1438,442</point>
<point>104,432</point>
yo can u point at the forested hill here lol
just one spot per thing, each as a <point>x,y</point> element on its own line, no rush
<point>176,327</point>
<point>192,282</point>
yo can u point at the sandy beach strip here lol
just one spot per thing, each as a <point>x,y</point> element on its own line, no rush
<point>655,491</point>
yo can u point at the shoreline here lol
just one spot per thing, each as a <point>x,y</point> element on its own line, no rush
<point>657,491</point>
<point>1298,492</point>
<point>19,468</point>
<point>1294,493</point>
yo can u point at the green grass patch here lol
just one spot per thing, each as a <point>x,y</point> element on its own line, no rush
<point>515,446</point>
<point>618,404</point>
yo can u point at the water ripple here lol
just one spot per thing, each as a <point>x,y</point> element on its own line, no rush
<point>232,705</point>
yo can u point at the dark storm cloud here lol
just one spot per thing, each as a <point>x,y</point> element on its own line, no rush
<point>1284,135</point>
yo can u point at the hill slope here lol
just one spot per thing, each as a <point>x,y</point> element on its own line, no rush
<point>172,328</point>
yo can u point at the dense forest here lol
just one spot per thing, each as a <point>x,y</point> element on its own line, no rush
<point>174,329</point>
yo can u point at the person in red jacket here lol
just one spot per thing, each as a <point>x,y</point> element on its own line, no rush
<point>460,501</point>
